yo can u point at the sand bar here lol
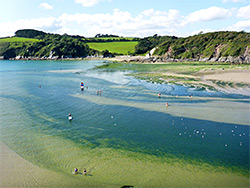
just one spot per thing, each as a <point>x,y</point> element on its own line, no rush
<point>230,76</point>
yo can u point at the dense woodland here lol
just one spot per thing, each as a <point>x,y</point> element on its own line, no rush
<point>48,45</point>
<point>207,46</point>
<point>215,45</point>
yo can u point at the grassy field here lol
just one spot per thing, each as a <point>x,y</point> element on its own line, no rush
<point>17,39</point>
<point>114,47</point>
<point>15,42</point>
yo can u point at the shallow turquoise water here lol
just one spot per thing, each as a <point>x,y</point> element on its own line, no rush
<point>37,96</point>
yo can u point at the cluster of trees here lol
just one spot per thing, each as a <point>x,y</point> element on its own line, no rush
<point>105,35</point>
<point>110,39</point>
<point>148,43</point>
<point>57,45</point>
<point>30,33</point>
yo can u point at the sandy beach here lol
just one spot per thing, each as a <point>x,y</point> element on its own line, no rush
<point>239,76</point>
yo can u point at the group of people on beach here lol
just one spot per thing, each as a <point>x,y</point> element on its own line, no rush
<point>76,171</point>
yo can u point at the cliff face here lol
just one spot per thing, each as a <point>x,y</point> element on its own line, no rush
<point>215,57</point>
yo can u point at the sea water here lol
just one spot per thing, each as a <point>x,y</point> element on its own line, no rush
<point>125,116</point>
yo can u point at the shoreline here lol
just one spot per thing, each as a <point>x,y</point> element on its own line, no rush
<point>231,80</point>
<point>208,74</point>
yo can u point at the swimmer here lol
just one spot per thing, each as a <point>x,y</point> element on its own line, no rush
<point>159,95</point>
<point>76,171</point>
<point>97,92</point>
<point>70,117</point>
<point>84,171</point>
<point>82,86</point>
<point>166,104</point>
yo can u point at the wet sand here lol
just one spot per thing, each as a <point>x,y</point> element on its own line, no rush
<point>17,172</point>
<point>239,76</point>
<point>231,76</point>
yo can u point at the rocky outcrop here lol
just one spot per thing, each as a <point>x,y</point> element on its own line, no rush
<point>247,55</point>
<point>216,57</point>
<point>165,59</point>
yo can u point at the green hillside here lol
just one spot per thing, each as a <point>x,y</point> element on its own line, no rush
<point>208,45</point>
<point>33,43</point>
<point>202,46</point>
<point>215,46</point>
<point>15,43</point>
<point>43,45</point>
